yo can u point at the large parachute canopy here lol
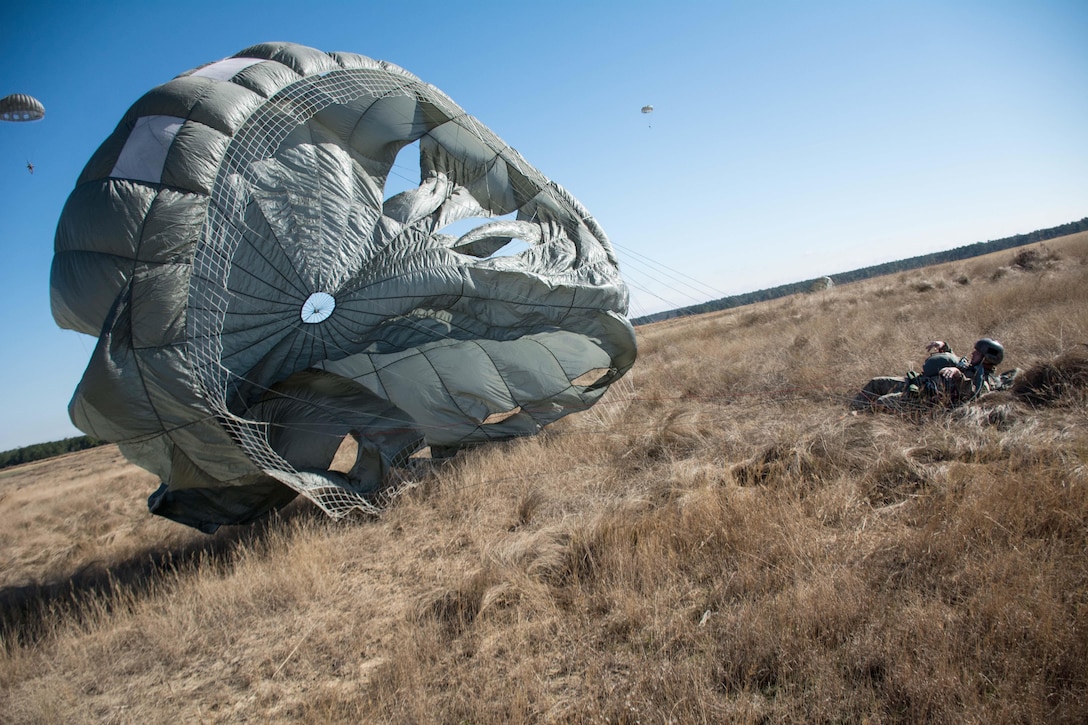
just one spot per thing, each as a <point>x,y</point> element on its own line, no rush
<point>647,109</point>
<point>21,107</point>
<point>260,306</point>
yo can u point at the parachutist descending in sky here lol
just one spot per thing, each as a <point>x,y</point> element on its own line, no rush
<point>258,305</point>
<point>648,109</point>
<point>19,107</point>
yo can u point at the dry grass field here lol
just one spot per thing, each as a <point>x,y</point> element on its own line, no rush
<point>719,541</point>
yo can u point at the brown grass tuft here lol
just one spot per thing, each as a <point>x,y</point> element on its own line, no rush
<point>1050,382</point>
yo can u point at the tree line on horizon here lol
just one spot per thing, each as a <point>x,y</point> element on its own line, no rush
<point>40,451</point>
<point>952,255</point>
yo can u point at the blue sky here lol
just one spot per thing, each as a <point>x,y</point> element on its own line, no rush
<point>789,139</point>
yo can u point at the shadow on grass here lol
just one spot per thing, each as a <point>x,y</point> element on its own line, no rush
<point>29,613</point>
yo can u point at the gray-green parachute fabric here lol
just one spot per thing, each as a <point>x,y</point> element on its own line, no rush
<point>257,304</point>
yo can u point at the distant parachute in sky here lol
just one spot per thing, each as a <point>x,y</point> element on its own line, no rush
<point>21,107</point>
<point>647,109</point>
<point>259,307</point>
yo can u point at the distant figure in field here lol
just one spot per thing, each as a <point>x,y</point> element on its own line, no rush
<point>945,380</point>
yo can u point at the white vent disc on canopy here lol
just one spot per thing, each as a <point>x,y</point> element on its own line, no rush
<point>318,307</point>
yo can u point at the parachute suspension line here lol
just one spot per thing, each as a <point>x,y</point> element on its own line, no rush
<point>400,170</point>
<point>656,275</point>
<point>395,170</point>
<point>650,292</point>
<point>671,302</point>
<point>639,263</point>
<point>675,274</point>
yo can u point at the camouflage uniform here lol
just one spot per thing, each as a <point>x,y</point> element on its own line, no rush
<point>979,381</point>
<point>915,392</point>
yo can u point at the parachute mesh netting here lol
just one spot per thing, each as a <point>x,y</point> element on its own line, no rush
<point>257,302</point>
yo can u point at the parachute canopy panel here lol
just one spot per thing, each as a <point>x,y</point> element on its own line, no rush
<point>257,303</point>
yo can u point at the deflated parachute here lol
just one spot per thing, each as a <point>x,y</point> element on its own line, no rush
<point>258,305</point>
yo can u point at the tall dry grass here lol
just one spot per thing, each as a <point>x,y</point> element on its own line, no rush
<point>720,542</point>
